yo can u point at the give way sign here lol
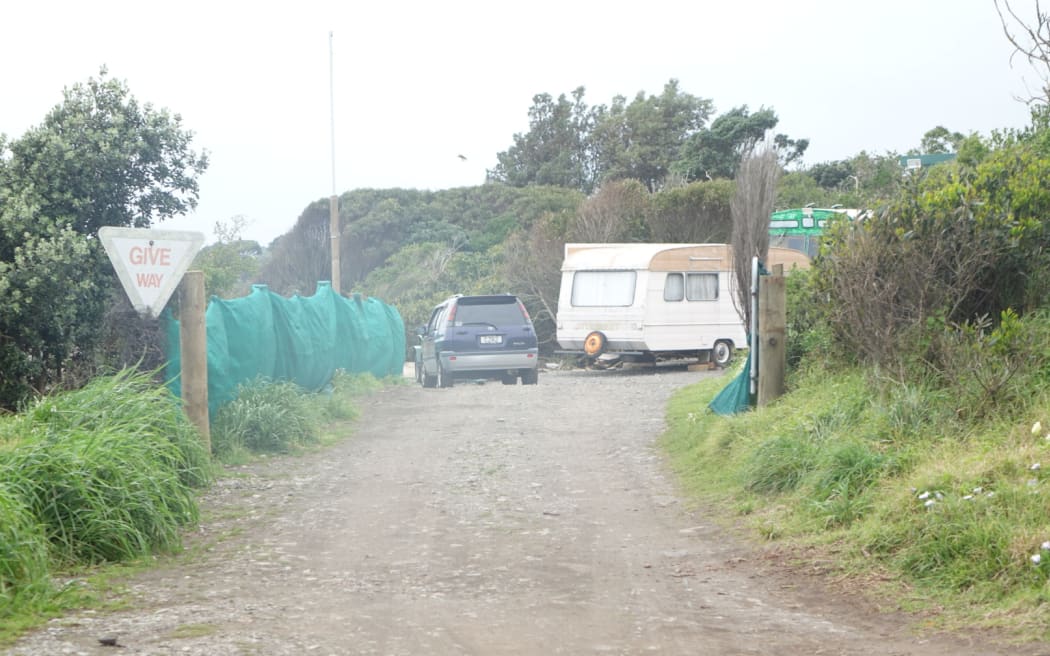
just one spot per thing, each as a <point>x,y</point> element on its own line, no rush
<point>150,263</point>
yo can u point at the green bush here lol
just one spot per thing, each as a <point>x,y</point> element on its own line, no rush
<point>266,417</point>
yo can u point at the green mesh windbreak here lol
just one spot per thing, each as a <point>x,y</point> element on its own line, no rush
<point>736,396</point>
<point>299,339</point>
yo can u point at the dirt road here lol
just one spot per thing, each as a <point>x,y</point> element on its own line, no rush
<point>481,519</point>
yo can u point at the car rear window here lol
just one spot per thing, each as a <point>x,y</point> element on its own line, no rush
<point>496,311</point>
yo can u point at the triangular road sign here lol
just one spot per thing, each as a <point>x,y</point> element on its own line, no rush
<point>150,263</point>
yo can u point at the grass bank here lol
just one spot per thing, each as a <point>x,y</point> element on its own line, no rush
<point>893,483</point>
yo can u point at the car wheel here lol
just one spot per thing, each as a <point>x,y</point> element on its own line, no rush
<point>722,353</point>
<point>443,379</point>
<point>530,377</point>
<point>427,380</point>
<point>509,379</point>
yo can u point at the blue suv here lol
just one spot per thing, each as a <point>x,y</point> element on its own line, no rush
<point>477,337</point>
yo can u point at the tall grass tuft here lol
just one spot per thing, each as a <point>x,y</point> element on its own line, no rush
<point>266,417</point>
<point>23,549</point>
<point>131,404</point>
<point>780,464</point>
<point>100,474</point>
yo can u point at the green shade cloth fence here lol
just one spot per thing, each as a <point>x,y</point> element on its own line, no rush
<point>300,339</point>
<point>736,396</point>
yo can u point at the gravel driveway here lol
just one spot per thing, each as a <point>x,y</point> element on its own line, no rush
<point>481,519</point>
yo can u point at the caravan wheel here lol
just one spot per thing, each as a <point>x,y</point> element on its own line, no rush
<point>594,344</point>
<point>722,353</point>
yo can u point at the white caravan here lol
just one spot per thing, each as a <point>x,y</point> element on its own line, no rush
<point>654,301</point>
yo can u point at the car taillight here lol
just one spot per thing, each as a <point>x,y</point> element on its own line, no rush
<point>524,311</point>
<point>452,315</point>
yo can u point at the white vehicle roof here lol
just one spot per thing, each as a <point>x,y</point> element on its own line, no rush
<point>666,257</point>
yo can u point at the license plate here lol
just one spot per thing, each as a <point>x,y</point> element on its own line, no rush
<point>490,339</point>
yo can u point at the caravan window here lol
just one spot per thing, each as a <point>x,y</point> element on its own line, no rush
<point>692,286</point>
<point>674,287</point>
<point>603,288</point>
<point>701,286</point>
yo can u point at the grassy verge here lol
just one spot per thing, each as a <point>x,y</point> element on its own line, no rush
<point>100,475</point>
<point>99,479</point>
<point>886,481</point>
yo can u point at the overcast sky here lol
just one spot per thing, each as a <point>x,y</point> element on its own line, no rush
<point>418,83</point>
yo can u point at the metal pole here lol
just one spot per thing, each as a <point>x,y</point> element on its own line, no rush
<point>333,200</point>
<point>753,329</point>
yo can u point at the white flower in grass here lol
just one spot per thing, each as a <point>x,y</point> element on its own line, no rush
<point>924,495</point>
<point>978,490</point>
<point>967,497</point>
<point>1045,546</point>
<point>930,504</point>
<point>990,495</point>
<point>1034,467</point>
<point>1036,558</point>
<point>1037,428</point>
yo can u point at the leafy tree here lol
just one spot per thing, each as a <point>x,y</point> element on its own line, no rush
<point>230,264</point>
<point>694,213</point>
<point>822,185</point>
<point>102,159</point>
<point>49,297</point>
<point>98,159</point>
<point>834,175</point>
<point>878,176</point>
<point>941,140</point>
<point>554,150</point>
<point>643,139</point>
<point>800,188</point>
<point>717,151</point>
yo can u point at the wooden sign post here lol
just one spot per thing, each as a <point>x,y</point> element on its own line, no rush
<point>193,343</point>
<point>772,329</point>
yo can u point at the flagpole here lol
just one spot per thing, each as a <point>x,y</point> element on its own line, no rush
<point>333,200</point>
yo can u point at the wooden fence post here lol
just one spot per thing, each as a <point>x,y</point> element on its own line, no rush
<point>193,343</point>
<point>772,323</point>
